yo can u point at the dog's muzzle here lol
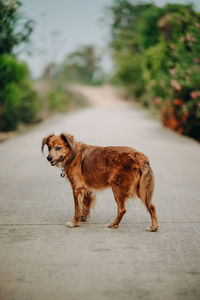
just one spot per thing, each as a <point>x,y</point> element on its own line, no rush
<point>55,162</point>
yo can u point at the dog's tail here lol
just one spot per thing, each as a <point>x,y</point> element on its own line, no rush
<point>145,192</point>
<point>146,185</point>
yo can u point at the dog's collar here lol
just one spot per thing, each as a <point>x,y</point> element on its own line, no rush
<point>70,159</point>
<point>62,174</point>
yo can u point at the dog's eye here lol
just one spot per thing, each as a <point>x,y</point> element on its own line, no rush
<point>50,147</point>
<point>58,148</point>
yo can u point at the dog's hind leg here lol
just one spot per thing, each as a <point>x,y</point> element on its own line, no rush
<point>120,198</point>
<point>88,203</point>
<point>145,193</point>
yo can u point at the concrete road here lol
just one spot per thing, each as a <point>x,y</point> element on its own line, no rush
<point>41,259</point>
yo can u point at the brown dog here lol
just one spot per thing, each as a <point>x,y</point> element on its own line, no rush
<point>90,168</point>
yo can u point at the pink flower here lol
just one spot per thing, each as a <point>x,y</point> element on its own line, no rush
<point>152,83</point>
<point>172,47</point>
<point>190,37</point>
<point>157,100</point>
<point>194,94</point>
<point>182,39</point>
<point>175,84</point>
<point>196,60</point>
<point>172,71</point>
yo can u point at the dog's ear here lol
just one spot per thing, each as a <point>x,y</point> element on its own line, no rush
<point>69,140</point>
<point>45,141</point>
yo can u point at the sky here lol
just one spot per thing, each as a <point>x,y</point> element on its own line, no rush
<point>61,26</point>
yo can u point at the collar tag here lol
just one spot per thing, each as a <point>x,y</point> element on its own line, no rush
<point>62,174</point>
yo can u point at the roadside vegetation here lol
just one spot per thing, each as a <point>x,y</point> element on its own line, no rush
<point>24,101</point>
<point>156,52</point>
<point>57,98</point>
<point>18,100</point>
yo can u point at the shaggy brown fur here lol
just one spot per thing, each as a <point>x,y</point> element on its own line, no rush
<point>91,168</point>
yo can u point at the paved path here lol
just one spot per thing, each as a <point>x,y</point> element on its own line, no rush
<point>41,259</point>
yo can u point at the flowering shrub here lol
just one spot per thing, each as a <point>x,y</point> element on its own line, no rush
<point>184,76</point>
<point>176,71</point>
<point>166,42</point>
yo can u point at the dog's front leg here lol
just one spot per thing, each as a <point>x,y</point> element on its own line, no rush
<point>78,195</point>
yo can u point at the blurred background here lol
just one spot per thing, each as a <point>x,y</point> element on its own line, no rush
<point>150,49</point>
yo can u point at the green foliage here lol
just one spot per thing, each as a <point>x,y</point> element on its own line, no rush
<point>18,102</point>
<point>130,35</point>
<point>11,70</point>
<point>157,57</point>
<point>9,103</point>
<point>29,105</point>
<point>155,69</point>
<point>148,30</point>
<point>125,74</point>
<point>58,99</point>
<point>14,29</point>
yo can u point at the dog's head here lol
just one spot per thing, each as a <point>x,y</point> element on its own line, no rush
<point>61,148</point>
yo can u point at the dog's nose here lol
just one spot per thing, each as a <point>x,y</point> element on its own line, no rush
<point>49,158</point>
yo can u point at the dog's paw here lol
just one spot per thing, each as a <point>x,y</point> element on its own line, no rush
<point>152,228</point>
<point>71,225</point>
<point>112,225</point>
<point>84,219</point>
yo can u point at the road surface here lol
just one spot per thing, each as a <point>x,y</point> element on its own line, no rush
<point>41,259</point>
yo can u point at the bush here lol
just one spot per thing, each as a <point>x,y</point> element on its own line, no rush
<point>158,50</point>
<point>18,102</point>
<point>131,79</point>
<point>10,101</point>
<point>58,100</point>
<point>29,106</point>
<point>155,70</point>
<point>181,111</point>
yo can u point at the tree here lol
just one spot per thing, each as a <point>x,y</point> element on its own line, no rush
<point>18,101</point>
<point>14,28</point>
<point>81,65</point>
